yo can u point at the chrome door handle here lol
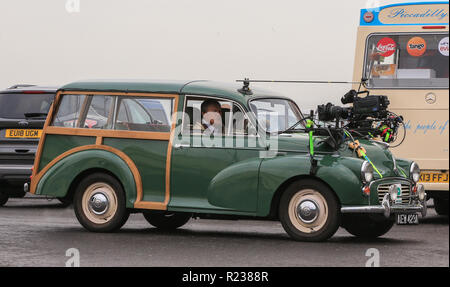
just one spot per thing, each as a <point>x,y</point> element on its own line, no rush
<point>180,146</point>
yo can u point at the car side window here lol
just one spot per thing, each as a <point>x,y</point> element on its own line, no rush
<point>144,114</point>
<point>205,115</point>
<point>231,119</point>
<point>69,111</point>
<point>98,112</point>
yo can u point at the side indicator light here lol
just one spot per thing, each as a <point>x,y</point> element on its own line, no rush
<point>366,190</point>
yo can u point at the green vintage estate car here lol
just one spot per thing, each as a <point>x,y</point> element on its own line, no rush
<point>177,150</point>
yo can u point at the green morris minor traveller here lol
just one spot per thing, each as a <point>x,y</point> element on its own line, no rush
<point>200,149</point>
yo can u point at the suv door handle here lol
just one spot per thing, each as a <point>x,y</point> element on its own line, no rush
<point>21,150</point>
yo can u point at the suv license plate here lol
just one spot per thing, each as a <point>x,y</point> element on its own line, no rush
<point>408,219</point>
<point>23,133</point>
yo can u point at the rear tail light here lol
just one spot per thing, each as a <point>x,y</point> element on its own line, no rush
<point>33,92</point>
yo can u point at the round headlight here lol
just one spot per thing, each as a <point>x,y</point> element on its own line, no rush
<point>421,192</point>
<point>414,172</point>
<point>366,172</point>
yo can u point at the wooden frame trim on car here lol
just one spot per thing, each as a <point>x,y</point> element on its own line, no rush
<point>100,135</point>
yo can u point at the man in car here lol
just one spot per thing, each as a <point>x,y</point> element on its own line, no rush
<point>211,123</point>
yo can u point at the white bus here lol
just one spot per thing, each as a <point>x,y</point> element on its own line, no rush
<point>403,51</point>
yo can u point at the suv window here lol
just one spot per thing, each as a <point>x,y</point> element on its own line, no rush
<point>16,105</point>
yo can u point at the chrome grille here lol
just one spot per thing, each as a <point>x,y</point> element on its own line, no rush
<point>406,192</point>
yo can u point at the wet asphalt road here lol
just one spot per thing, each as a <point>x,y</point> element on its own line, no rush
<point>37,232</point>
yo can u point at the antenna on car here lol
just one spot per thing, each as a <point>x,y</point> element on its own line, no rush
<point>245,90</point>
<point>246,80</point>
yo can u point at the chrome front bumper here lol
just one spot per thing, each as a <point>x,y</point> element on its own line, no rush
<point>387,208</point>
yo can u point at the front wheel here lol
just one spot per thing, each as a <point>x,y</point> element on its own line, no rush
<point>309,211</point>
<point>3,198</point>
<point>166,220</point>
<point>99,203</point>
<point>366,226</point>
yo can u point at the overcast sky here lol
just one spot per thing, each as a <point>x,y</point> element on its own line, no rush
<point>225,40</point>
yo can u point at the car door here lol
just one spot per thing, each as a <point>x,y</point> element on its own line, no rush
<point>218,172</point>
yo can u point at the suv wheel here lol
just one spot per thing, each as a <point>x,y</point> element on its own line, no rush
<point>309,211</point>
<point>3,198</point>
<point>166,220</point>
<point>99,203</point>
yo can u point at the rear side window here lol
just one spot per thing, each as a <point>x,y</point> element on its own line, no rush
<point>21,106</point>
<point>143,114</point>
<point>114,112</point>
<point>69,111</point>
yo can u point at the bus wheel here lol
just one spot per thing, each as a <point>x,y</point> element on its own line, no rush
<point>166,220</point>
<point>99,203</point>
<point>366,226</point>
<point>309,211</point>
<point>3,198</point>
<point>441,206</point>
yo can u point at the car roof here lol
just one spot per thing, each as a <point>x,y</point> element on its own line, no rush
<point>198,87</point>
<point>29,88</point>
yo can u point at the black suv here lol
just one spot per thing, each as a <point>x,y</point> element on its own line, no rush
<point>23,110</point>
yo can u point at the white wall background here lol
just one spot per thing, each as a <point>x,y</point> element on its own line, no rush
<point>42,43</point>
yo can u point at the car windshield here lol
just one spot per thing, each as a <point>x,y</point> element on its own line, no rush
<point>21,106</point>
<point>276,115</point>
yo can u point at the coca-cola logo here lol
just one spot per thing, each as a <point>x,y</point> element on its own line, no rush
<point>386,47</point>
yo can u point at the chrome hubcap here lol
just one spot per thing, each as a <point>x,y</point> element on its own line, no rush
<point>98,203</point>
<point>308,211</point>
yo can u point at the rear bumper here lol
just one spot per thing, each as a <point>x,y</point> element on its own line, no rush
<point>15,173</point>
<point>387,208</point>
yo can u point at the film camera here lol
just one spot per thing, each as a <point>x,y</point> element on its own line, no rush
<point>369,106</point>
<point>369,115</point>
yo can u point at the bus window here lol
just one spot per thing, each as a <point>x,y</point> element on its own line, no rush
<point>407,60</point>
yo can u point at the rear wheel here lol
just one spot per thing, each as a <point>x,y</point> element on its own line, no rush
<point>309,211</point>
<point>99,203</point>
<point>366,226</point>
<point>3,198</point>
<point>166,220</point>
<point>441,206</point>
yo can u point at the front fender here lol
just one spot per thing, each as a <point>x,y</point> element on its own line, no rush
<point>340,173</point>
<point>404,164</point>
<point>57,180</point>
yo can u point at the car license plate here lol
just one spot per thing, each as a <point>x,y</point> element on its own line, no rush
<point>408,219</point>
<point>23,133</point>
<point>434,177</point>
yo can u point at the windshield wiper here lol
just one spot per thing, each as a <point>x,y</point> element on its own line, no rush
<point>35,115</point>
